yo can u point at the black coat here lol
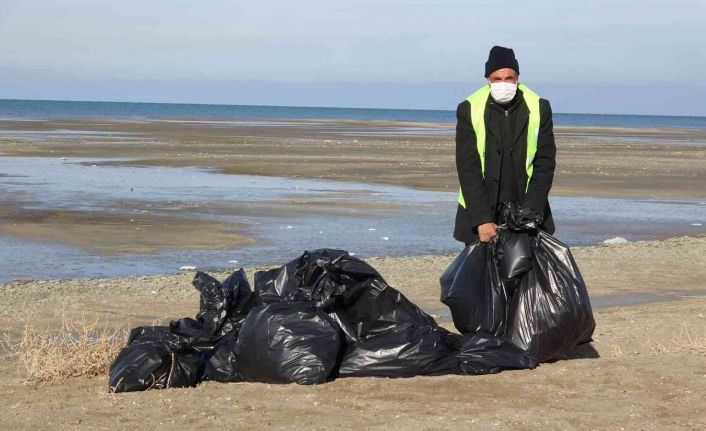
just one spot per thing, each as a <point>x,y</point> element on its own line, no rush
<point>481,194</point>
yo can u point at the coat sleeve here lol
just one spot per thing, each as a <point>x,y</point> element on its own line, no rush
<point>544,162</point>
<point>469,168</point>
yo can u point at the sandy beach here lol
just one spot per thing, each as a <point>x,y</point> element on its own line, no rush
<point>649,371</point>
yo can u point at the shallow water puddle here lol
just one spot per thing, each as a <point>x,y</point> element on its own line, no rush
<point>284,215</point>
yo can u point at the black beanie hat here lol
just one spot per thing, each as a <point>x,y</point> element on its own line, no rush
<point>500,58</point>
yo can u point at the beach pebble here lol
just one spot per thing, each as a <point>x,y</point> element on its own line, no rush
<point>616,241</point>
<point>187,268</point>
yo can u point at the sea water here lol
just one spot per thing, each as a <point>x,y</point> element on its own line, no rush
<point>57,109</point>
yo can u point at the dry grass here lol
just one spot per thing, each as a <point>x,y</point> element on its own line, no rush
<point>688,340</point>
<point>81,347</point>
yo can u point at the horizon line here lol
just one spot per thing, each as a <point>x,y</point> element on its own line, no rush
<point>317,107</point>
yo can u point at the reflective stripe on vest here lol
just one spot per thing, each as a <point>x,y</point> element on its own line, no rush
<point>478,104</point>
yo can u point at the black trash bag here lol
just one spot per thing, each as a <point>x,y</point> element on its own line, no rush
<point>223,306</point>
<point>392,337</point>
<point>325,277</point>
<point>213,306</point>
<point>346,287</point>
<point>186,369</point>
<point>404,350</point>
<point>154,358</point>
<point>484,353</point>
<point>222,365</point>
<point>513,253</point>
<point>276,284</point>
<point>143,363</point>
<point>332,278</point>
<point>287,342</point>
<point>473,291</point>
<point>387,335</point>
<point>242,300</point>
<point>518,218</point>
<point>380,308</point>
<point>551,310</point>
<point>193,334</point>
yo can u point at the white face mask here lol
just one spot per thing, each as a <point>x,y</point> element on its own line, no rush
<point>503,92</point>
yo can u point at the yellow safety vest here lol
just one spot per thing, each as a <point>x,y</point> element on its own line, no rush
<point>478,103</point>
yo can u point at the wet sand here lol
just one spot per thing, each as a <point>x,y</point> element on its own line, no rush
<point>591,161</point>
<point>111,234</point>
<point>650,372</point>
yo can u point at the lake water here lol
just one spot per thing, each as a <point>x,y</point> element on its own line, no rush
<point>60,109</point>
<point>285,215</point>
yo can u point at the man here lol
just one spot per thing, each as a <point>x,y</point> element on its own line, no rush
<point>505,150</point>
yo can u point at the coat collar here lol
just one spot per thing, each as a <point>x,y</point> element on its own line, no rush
<point>521,119</point>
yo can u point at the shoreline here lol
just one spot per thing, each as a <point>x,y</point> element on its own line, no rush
<point>216,241</point>
<point>608,270</point>
<point>602,163</point>
<point>591,161</point>
<point>247,112</point>
<point>442,127</point>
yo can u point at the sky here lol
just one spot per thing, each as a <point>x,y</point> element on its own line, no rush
<point>612,57</point>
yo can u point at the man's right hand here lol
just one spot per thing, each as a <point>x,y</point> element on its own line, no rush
<point>486,231</point>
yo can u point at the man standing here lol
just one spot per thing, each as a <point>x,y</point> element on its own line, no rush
<point>505,150</point>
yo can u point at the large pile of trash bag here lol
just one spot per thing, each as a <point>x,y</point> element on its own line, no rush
<point>517,301</point>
